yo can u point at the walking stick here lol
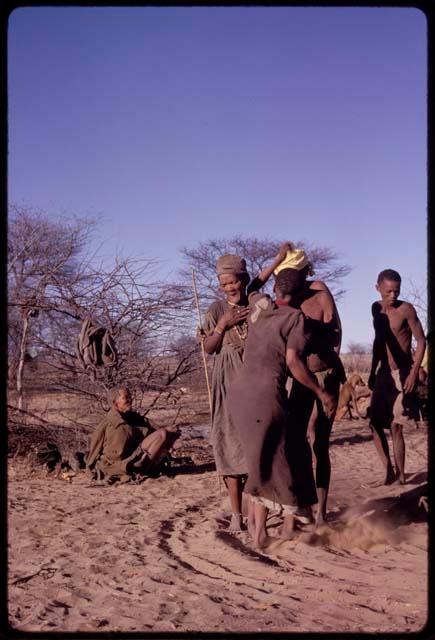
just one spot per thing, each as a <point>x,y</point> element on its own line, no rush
<point>195,293</point>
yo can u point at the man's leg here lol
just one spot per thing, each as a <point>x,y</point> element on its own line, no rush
<point>153,447</point>
<point>399,450</point>
<point>322,432</point>
<point>234,485</point>
<point>288,529</point>
<point>381,444</point>
<point>251,515</point>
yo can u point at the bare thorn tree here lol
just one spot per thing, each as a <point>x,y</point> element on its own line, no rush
<point>257,253</point>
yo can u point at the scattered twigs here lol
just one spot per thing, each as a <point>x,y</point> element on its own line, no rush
<point>45,571</point>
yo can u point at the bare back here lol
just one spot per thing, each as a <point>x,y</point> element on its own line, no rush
<point>324,323</point>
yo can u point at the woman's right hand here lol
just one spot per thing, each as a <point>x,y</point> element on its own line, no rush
<point>232,317</point>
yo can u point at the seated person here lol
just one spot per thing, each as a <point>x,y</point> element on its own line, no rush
<point>124,442</point>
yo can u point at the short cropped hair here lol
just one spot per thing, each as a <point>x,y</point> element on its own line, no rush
<point>113,393</point>
<point>288,281</point>
<point>389,274</point>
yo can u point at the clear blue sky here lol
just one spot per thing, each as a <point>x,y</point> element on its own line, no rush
<point>183,124</point>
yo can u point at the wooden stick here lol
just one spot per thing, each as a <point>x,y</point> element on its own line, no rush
<point>195,293</point>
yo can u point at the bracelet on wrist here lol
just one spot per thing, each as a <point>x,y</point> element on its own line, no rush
<point>218,332</point>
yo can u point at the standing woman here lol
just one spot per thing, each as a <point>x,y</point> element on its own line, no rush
<point>277,454</point>
<point>225,332</point>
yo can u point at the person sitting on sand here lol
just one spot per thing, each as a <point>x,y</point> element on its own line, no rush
<point>394,402</point>
<point>124,442</point>
<point>278,460</point>
<point>224,335</point>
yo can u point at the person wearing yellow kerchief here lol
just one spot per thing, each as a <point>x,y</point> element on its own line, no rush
<point>317,303</point>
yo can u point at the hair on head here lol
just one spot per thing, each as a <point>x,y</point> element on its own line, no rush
<point>288,281</point>
<point>113,393</point>
<point>389,274</point>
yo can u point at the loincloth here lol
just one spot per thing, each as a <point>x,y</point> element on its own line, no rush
<point>274,506</point>
<point>389,404</point>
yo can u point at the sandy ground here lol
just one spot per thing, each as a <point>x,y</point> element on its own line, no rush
<point>157,557</point>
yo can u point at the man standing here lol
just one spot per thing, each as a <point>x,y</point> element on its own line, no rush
<point>394,402</point>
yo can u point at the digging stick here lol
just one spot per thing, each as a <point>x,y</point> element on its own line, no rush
<point>195,293</point>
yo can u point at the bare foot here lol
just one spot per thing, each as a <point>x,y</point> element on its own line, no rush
<point>288,530</point>
<point>236,522</point>
<point>260,539</point>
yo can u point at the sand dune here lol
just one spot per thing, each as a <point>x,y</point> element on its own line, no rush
<point>157,556</point>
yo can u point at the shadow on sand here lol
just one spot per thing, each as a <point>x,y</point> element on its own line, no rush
<point>402,509</point>
<point>190,469</point>
<point>356,439</point>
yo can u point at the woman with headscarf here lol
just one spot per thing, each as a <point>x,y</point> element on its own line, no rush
<point>277,455</point>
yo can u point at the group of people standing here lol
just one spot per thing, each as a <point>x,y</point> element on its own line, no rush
<point>259,422</point>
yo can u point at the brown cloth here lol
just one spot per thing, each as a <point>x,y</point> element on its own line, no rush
<point>227,448</point>
<point>279,464</point>
<point>114,443</point>
<point>231,264</point>
<point>95,346</point>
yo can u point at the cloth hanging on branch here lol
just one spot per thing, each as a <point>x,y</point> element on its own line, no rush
<point>95,347</point>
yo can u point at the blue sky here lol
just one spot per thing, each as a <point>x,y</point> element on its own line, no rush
<point>183,124</point>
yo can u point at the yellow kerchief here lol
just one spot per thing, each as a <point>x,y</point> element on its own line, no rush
<point>296,259</point>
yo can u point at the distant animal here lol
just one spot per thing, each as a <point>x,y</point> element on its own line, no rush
<point>349,396</point>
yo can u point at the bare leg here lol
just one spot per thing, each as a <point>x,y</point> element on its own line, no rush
<point>381,444</point>
<point>260,535</point>
<point>251,515</point>
<point>288,529</point>
<point>399,450</point>
<point>235,488</point>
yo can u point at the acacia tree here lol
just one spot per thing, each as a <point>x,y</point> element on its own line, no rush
<point>41,253</point>
<point>257,253</point>
<point>54,286</point>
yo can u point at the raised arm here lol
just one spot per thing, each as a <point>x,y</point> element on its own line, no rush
<point>261,279</point>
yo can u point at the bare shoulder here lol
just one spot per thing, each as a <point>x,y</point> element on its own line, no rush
<point>407,309</point>
<point>317,285</point>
